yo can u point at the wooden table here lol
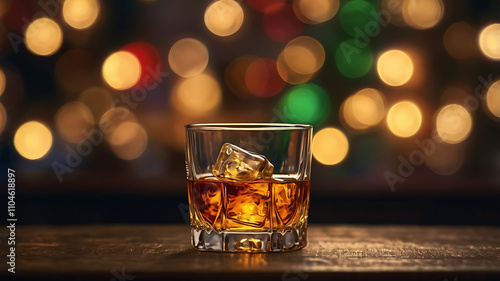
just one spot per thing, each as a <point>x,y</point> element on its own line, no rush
<point>145,252</point>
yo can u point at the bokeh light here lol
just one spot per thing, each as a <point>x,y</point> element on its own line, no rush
<point>33,140</point>
<point>265,6</point>
<point>224,17</point>
<point>14,91</point>
<point>369,106</point>
<point>17,14</point>
<point>395,67</point>
<point>364,109</point>
<point>262,78</point>
<point>404,119</point>
<point>446,159</point>
<point>196,96</point>
<point>3,81</point>
<point>422,14</point>
<point>489,41</point>
<point>3,118</point>
<point>493,99</point>
<point>330,146</point>
<point>304,55</point>
<point>288,75</point>
<point>4,7</point>
<point>460,40</point>
<point>315,11</point>
<point>281,24</point>
<point>43,37</point>
<point>121,70</point>
<point>97,100</point>
<point>80,14</point>
<point>356,17</point>
<point>235,75</point>
<point>188,57</point>
<point>128,141</point>
<point>74,121</point>
<point>353,61</point>
<point>306,103</point>
<point>150,61</point>
<point>113,117</point>
<point>394,8</point>
<point>453,123</point>
<point>347,117</point>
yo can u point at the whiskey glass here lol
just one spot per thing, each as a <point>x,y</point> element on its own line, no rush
<point>248,186</point>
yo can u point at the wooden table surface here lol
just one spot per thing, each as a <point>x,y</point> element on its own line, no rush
<point>163,252</point>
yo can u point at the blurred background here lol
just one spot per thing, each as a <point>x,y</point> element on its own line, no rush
<point>404,96</point>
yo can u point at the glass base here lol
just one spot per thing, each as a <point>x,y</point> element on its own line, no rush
<point>253,242</point>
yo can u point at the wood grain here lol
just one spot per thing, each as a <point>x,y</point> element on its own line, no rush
<point>92,252</point>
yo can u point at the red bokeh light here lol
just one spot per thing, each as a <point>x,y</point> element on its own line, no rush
<point>149,59</point>
<point>19,14</point>
<point>262,78</point>
<point>282,24</point>
<point>265,6</point>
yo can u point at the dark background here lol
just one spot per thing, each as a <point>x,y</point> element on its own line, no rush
<point>152,188</point>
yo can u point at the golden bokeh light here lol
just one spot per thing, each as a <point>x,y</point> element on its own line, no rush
<point>453,123</point>
<point>3,118</point>
<point>128,141</point>
<point>422,14</point>
<point>224,17</point>
<point>404,119</point>
<point>121,70</point>
<point>489,41</point>
<point>33,140</point>
<point>364,109</point>
<point>395,67</point>
<point>330,146</point>
<point>43,37</point>
<point>315,11</point>
<point>493,99</point>
<point>304,55</point>
<point>347,117</point>
<point>97,100</point>
<point>80,14</point>
<point>188,57</point>
<point>446,159</point>
<point>288,75</point>
<point>460,40</point>
<point>113,117</point>
<point>368,106</point>
<point>3,81</point>
<point>74,121</point>
<point>196,96</point>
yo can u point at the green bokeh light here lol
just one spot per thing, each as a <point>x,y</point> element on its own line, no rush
<point>353,61</point>
<point>306,103</point>
<point>357,17</point>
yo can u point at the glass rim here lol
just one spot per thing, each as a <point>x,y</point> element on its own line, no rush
<point>246,127</point>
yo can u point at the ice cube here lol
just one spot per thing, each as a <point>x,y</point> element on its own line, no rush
<point>237,164</point>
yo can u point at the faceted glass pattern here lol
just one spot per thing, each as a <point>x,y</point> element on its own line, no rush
<point>238,200</point>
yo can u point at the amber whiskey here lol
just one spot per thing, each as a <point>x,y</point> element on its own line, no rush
<point>260,205</point>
